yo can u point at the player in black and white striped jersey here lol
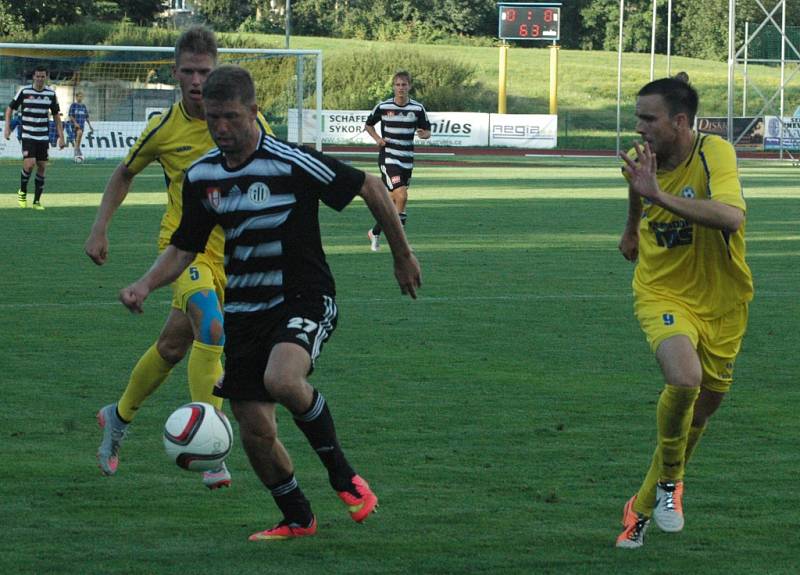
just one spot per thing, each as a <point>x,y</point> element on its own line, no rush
<point>279,299</point>
<point>401,119</point>
<point>36,102</point>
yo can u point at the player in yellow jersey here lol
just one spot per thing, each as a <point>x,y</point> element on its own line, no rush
<point>685,230</point>
<point>175,139</point>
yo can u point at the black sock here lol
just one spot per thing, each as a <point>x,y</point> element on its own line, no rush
<point>122,419</point>
<point>291,501</point>
<point>39,187</point>
<point>24,177</point>
<point>376,229</point>
<point>317,425</point>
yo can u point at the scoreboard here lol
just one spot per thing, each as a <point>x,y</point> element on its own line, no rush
<point>539,21</point>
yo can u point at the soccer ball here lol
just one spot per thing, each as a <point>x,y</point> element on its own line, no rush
<point>198,437</point>
<point>78,159</point>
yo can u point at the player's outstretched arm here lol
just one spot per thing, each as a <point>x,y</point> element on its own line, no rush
<point>96,246</point>
<point>406,266</point>
<point>165,270</point>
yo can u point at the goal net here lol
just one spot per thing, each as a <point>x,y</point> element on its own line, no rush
<point>123,86</point>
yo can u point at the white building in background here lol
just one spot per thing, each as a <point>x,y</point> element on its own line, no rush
<point>179,11</point>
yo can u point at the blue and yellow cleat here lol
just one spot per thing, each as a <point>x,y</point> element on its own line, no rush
<point>217,478</point>
<point>114,431</point>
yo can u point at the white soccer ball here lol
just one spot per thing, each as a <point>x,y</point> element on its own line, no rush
<point>78,159</point>
<point>198,437</point>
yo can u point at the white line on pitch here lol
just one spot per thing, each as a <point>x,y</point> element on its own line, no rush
<point>421,299</point>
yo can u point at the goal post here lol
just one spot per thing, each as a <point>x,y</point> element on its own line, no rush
<point>122,86</point>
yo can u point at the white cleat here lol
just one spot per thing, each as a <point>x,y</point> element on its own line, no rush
<point>374,241</point>
<point>668,512</point>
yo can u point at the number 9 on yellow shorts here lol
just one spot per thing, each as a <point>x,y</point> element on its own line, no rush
<point>717,341</point>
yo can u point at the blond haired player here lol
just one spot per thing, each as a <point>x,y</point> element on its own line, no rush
<point>175,139</point>
<point>685,230</point>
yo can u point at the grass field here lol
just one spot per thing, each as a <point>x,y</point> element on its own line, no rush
<point>503,418</point>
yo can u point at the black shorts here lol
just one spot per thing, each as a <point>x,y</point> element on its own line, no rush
<point>394,176</point>
<point>307,322</point>
<point>35,149</point>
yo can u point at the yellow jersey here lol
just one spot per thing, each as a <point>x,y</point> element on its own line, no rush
<point>701,267</point>
<point>175,140</point>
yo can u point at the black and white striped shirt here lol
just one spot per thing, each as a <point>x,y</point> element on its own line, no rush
<point>34,106</point>
<point>398,125</point>
<point>268,208</point>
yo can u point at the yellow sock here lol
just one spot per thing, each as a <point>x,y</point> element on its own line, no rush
<point>695,433</point>
<point>646,497</point>
<point>150,372</point>
<point>204,370</point>
<point>674,417</point>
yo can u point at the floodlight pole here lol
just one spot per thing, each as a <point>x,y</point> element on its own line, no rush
<point>653,43</point>
<point>669,36</point>
<point>744,70</point>
<point>619,70</point>
<point>288,21</point>
<point>783,71</point>
<point>731,63</point>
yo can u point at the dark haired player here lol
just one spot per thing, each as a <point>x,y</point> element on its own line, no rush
<point>280,303</point>
<point>35,104</point>
<point>685,230</point>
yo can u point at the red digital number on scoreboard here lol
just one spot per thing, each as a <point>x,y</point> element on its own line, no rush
<point>529,22</point>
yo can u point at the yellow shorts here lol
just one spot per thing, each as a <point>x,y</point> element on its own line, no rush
<point>717,341</point>
<point>203,274</point>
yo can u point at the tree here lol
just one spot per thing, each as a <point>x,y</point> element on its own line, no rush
<point>704,25</point>
<point>601,25</point>
<point>225,15</point>
<point>10,24</point>
<point>462,17</point>
<point>36,14</point>
<point>141,12</point>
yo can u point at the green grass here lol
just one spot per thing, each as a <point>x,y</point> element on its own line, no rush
<point>503,418</point>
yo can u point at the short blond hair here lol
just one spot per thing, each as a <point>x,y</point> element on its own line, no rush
<point>197,40</point>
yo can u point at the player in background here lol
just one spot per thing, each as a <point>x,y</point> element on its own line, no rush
<point>401,118</point>
<point>35,104</point>
<point>78,118</point>
<point>279,301</point>
<point>685,231</point>
<point>175,139</point>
